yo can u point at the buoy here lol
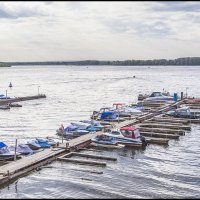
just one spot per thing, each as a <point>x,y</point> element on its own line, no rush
<point>10,85</point>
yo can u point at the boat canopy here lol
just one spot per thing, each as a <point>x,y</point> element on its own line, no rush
<point>128,128</point>
<point>109,115</point>
<point>2,145</point>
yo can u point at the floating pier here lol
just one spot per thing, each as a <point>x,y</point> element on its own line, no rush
<point>26,164</point>
<point>159,135</point>
<point>18,99</point>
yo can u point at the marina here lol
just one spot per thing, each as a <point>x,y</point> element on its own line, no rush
<point>156,134</point>
<point>161,132</point>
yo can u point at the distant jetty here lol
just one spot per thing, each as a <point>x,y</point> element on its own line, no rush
<point>3,64</point>
<point>186,61</point>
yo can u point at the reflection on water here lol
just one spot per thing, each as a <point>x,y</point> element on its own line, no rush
<point>73,92</point>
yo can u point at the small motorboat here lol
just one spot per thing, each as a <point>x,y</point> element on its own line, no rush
<point>183,112</point>
<point>2,96</point>
<point>43,143</point>
<point>5,107</point>
<point>95,124</point>
<point>125,110</point>
<point>14,105</point>
<point>71,130</point>
<point>6,154</point>
<point>159,96</point>
<point>22,149</point>
<point>127,141</point>
<point>110,116</point>
<point>33,145</point>
<point>133,132</point>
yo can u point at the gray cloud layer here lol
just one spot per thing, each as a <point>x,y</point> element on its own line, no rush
<point>98,30</point>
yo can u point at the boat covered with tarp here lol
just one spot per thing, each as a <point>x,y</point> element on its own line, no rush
<point>22,149</point>
<point>5,153</point>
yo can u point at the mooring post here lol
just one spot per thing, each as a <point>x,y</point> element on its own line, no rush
<point>181,95</point>
<point>15,158</point>
<point>62,137</point>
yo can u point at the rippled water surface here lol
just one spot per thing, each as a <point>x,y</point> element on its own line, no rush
<point>73,92</point>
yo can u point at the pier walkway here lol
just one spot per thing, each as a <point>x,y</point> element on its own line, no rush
<point>18,99</point>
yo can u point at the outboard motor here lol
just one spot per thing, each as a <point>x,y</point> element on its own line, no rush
<point>144,142</point>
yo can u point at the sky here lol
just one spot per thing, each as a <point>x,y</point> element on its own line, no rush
<point>98,30</point>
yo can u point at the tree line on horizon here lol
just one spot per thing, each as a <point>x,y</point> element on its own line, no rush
<point>187,61</point>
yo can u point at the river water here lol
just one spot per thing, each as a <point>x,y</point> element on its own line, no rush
<point>73,92</point>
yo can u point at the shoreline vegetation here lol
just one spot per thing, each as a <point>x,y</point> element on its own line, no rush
<point>186,61</point>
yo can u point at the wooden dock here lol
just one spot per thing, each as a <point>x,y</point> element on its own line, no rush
<point>26,164</point>
<point>18,99</point>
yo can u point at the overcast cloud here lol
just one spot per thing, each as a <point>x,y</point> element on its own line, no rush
<point>49,31</point>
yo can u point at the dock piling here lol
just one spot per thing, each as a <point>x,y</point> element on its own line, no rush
<point>15,157</point>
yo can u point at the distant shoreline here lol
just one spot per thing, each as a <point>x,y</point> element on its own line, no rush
<point>186,61</point>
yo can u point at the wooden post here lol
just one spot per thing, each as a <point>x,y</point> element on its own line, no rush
<point>181,95</point>
<point>15,158</point>
<point>6,94</point>
<point>118,117</point>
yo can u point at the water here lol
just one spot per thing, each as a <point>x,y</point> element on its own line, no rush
<point>73,92</point>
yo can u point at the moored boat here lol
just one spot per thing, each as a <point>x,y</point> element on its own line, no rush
<point>6,154</point>
<point>183,112</point>
<point>127,141</point>
<point>33,145</point>
<point>22,149</point>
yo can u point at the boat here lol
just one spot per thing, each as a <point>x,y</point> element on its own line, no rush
<point>6,154</point>
<point>110,116</point>
<point>124,110</point>
<point>94,124</point>
<point>127,141</point>
<point>71,130</point>
<point>5,107</point>
<point>14,105</point>
<point>22,149</point>
<point>81,125</point>
<point>183,112</point>
<point>159,96</point>
<point>33,145</point>
<point>133,132</point>
<point>96,114</point>
<point>2,96</point>
<point>43,143</point>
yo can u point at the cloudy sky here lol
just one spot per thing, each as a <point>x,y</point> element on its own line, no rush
<point>49,31</point>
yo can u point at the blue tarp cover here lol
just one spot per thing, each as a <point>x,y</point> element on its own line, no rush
<point>108,115</point>
<point>2,145</point>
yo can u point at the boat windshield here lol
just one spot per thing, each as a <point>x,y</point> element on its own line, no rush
<point>115,133</point>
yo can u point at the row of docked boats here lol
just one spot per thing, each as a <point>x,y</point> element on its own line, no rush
<point>128,136</point>
<point>8,152</point>
<point>104,118</point>
<point>75,129</point>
